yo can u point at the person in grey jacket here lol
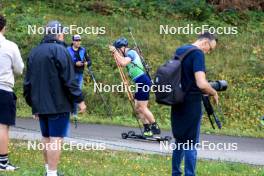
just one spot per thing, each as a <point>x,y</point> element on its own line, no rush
<point>10,63</point>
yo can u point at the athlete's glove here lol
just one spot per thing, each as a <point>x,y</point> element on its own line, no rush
<point>112,48</point>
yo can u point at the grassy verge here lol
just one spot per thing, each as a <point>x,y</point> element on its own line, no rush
<point>106,163</point>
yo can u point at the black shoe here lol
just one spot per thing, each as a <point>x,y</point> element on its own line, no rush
<point>8,167</point>
<point>155,128</point>
<point>147,131</point>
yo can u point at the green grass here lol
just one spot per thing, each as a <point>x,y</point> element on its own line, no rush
<point>108,163</point>
<point>237,59</point>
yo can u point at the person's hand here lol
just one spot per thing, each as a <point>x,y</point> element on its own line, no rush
<point>82,107</point>
<point>35,116</point>
<point>79,63</point>
<point>112,48</point>
<point>216,98</point>
<point>85,63</point>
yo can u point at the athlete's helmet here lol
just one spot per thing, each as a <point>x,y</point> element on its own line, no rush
<point>119,43</point>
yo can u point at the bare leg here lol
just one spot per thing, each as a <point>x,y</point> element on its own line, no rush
<point>140,112</point>
<point>45,141</point>
<point>145,112</point>
<point>4,139</point>
<point>53,152</point>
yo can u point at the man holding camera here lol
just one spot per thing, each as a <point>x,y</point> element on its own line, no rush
<point>50,89</point>
<point>80,59</point>
<point>186,117</point>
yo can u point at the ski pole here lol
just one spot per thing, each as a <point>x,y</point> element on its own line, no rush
<point>108,109</point>
<point>129,94</point>
<point>125,81</point>
<point>75,122</point>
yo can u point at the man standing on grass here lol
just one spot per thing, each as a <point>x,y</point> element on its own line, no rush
<point>51,89</point>
<point>130,59</point>
<point>186,117</point>
<point>80,58</point>
<point>10,63</point>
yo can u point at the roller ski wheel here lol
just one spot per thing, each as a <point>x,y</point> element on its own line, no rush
<point>131,133</point>
<point>124,135</point>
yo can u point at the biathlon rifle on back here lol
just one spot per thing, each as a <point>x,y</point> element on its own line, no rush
<point>138,49</point>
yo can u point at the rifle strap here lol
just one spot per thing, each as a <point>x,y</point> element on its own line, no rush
<point>144,70</point>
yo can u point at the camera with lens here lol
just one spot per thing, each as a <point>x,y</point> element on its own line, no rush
<point>220,85</point>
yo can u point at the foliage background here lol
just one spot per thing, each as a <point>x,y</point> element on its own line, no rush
<point>237,59</point>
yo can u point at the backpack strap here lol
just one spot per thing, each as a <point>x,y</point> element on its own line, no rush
<point>182,56</point>
<point>142,69</point>
<point>133,62</point>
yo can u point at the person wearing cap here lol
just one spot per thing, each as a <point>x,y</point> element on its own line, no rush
<point>80,58</point>
<point>130,59</point>
<point>186,117</point>
<point>50,89</point>
<point>10,63</point>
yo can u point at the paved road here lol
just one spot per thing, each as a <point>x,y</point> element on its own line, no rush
<point>249,150</point>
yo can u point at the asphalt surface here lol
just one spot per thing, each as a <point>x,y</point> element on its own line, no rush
<point>234,149</point>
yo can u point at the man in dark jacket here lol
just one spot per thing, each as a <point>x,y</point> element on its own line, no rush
<point>186,117</point>
<point>50,89</point>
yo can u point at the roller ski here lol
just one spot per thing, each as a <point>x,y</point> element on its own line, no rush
<point>154,138</point>
<point>149,134</point>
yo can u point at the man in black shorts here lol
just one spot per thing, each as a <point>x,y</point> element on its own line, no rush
<point>10,63</point>
<point>50,89</point>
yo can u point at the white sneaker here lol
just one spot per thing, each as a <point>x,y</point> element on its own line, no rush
<point>8,167</point>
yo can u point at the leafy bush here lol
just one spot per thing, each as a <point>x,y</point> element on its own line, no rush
<point>234,17</point>
<point>194,9</point>
<point>238,59</point>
